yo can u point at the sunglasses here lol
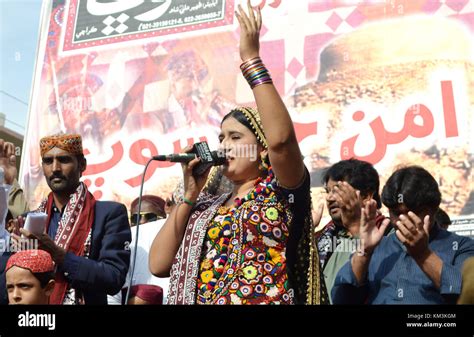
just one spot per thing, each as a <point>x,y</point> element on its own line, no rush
<point>147,216</point>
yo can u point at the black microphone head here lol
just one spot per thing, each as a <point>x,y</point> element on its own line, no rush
<point>208,158</point>
<point>219,157</point>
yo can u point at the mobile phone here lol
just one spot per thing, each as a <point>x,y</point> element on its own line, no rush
<point>36,222</point>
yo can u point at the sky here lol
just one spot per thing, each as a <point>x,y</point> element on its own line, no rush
<point>19,26</point>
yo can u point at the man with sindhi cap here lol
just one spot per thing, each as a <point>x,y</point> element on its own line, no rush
<point>30,277</point>
<point>88,239</point>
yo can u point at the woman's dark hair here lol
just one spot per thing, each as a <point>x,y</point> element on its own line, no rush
<point>240,117</point>
<point>361,175</point>
<point>44,278</point>
<point>413,187</point>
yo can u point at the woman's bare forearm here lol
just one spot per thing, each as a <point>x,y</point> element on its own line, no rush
<point>168,240</point>
<point>283,146</point>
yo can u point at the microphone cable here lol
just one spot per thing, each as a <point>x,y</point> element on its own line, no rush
<point>136,233</point>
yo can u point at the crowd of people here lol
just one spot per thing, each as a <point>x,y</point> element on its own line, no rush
<point>241,234</point>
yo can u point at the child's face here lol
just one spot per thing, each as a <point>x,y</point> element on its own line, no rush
<point>24,288</point>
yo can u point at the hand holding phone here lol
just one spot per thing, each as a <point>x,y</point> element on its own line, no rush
<point>36,222</point>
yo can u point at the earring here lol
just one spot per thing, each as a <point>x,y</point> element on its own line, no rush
<point>263,165</point>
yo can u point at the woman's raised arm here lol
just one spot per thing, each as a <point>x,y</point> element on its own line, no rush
<point>283,150</point>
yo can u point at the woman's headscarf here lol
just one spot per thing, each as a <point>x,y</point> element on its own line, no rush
<point>253,118</point>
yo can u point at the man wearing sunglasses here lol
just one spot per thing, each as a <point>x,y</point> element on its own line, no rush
<point>152,209</point>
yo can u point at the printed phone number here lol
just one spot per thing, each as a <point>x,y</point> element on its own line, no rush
<point>179,21</point>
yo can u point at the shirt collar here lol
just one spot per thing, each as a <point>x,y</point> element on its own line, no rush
<point>57,210</point>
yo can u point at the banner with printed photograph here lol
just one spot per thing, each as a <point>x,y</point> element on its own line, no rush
<point>390,82</point>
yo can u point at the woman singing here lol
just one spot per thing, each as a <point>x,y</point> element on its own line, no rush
<point>249,246</point>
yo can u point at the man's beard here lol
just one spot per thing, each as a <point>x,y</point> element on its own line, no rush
<point>336,218</point>
<point>63,186</point>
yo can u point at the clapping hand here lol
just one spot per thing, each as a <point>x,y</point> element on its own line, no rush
<point>350,203</point>
<point>414,234</point>
<point>369,234</point>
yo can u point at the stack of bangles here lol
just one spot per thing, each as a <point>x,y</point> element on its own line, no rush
<point>255,72</point>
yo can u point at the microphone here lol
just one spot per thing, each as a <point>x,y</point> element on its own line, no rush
<point>200,150</point>
<point>208,158</point>
<point>176,157</point>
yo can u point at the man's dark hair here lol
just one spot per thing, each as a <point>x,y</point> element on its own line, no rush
<point>44,278</point>
<point>81,159</point>
<point>413,187</point>
<point>361,175</point>
<point>442,218</point>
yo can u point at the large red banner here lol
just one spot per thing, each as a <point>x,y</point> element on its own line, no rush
<point>390,82</point>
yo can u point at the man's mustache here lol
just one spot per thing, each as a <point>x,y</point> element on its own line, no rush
<point>57,176</point>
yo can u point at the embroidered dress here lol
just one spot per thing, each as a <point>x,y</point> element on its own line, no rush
<point>259,251</point>
<point>235,255</point>
<point>243,258</point>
